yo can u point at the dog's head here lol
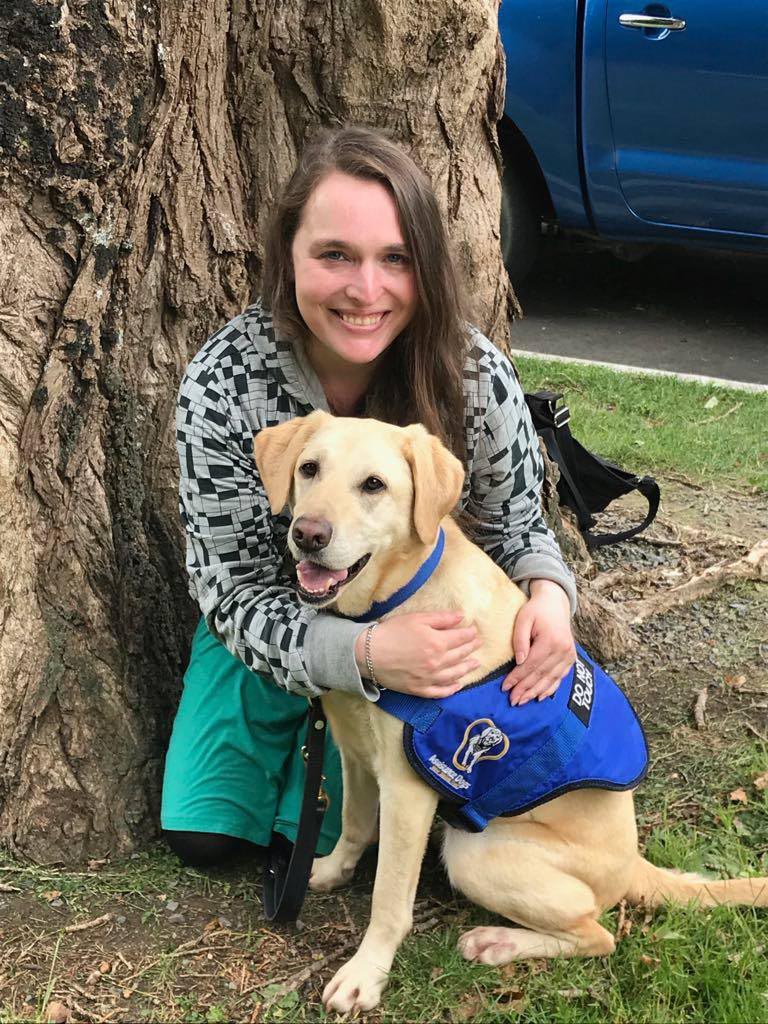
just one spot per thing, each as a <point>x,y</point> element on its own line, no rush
<point>361,493</point>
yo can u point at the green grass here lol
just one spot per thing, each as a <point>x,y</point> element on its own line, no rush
<point>683,966</point>
<point>659,423</point>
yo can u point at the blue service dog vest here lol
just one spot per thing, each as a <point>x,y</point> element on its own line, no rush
<point>488,759</point>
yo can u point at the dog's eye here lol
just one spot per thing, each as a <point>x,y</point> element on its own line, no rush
<point>372,484</point>
<point>308,469</point>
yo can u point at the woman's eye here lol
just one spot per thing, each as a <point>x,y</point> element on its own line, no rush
<point>372,484</point>
<point>397,258</point>
<point>308,469</point>
<point>333,255</point>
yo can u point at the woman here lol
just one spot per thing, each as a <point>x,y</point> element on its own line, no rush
<point>359,316</point>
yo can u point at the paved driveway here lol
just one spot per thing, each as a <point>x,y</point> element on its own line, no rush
<point>683,310</point>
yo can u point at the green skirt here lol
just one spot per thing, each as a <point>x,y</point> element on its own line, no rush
<point>234,762</point>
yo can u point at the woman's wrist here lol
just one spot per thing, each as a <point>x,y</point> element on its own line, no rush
<point>544,586</point>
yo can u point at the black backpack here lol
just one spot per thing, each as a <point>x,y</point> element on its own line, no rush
<point>587,483</point>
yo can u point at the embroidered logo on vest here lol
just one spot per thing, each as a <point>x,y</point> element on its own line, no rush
<point>582,691</point>
<point>446,773</point>
<point>480,744</point>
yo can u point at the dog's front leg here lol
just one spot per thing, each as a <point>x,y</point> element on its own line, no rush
<point>407,809</point>
<point>358,826</point>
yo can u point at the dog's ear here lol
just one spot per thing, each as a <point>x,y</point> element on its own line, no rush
<point>438,478</point>
<point>276,450</point>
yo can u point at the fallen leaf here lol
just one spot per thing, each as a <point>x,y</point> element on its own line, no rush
<point>49,897</point>
<point>469,1006</point>
<point>761,782</point>
<point>510,998</point>
<point>95,865</point>
<point>57,1013</point>
<point>105,967</point>
<point>738,796</point>
<point>735,681</point>
<point>211,926</point>
<point>650,960</point>
<point>710,402</point>
<point>127,993</point>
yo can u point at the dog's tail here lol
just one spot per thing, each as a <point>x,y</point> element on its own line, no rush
<point>652,886</point>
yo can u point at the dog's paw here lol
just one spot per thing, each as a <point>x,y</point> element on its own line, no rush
<point>329,873</point>
<point>355,986</point>
<point>488,945</point>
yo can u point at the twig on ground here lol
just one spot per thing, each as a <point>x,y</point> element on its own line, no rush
<point>760,735</point>
<point>4,887</point>
<point>296,980</point>
<point>699,535</point>
<point>698,708</point>
<point>94,923</point>
<point>422,923</point>
<point>82,991</point>
<point>663,542</point>
<point>190,947</point>
<point>680,479</point>
<point>714,419</point>
<point>86,1014</point>
<point>752,566</point>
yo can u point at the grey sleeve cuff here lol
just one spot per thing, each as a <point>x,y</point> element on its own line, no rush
<point>329,654</point>
<point>539,566</point>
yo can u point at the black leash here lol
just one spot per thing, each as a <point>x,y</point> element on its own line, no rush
<point>286,875</point>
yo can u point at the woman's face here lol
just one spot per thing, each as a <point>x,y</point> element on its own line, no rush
<point>355,283</point>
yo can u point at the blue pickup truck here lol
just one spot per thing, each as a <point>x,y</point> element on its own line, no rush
<point>635,123</point>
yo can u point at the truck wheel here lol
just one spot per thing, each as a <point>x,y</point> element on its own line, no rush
<point>520,235</point>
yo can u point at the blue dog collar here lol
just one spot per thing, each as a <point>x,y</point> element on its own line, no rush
<point>425,570</point>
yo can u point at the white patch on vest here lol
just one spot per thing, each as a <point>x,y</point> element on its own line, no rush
<point>584,688</point>
<point>582,692</point>
<point>480,746</point>
<point>441,769</point>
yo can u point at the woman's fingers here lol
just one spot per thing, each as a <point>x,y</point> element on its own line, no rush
<point>543,679</point>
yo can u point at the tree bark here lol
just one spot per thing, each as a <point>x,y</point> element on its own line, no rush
<point>141,147</point>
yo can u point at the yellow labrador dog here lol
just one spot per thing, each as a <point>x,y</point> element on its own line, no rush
<point>373,496</point>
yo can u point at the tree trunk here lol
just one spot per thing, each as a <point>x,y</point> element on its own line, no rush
<point>141,147</point>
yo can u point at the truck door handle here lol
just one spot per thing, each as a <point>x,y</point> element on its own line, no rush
<point>651,21</point>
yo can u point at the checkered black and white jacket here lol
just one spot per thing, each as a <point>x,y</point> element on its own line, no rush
<point>246,377</point>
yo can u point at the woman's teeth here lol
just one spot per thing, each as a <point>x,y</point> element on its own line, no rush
<point>361,321</point>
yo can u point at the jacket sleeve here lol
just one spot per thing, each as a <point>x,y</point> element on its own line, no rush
<point>505,489</point>
<point>233,562</point>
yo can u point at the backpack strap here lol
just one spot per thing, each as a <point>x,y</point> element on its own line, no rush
<point>587,482</point>
<point>649,489</point>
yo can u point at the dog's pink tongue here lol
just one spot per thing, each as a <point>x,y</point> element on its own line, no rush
<point>316,579</point>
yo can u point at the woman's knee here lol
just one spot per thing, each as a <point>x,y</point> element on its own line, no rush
<point>207,849</point>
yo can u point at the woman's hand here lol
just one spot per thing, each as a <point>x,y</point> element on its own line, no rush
<point>423,653</point>
<point>543,644</point>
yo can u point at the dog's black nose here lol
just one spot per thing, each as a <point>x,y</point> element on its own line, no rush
<point>311,534</point>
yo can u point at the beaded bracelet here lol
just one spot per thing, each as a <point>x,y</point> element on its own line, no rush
<point>368,659</point>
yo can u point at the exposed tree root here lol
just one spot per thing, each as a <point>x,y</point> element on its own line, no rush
<point>600,627</point>
<point>700,708</point>
<point>752,566</point>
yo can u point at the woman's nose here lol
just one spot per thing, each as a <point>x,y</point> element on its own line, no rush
<point>365,284</point>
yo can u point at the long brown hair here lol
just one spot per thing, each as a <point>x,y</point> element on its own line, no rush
<point>420,379</point>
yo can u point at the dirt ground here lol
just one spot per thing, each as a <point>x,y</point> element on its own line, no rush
<point>148,941</point>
